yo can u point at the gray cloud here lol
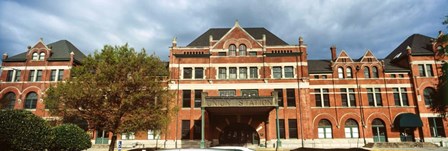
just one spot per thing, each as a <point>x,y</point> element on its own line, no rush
<point>354,26</point>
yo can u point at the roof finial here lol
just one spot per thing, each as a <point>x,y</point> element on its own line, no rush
<point>300,40</point>
<point>408,48</point>
<point>175,40</point>
<point>41,39</point>
<point>236,23</point>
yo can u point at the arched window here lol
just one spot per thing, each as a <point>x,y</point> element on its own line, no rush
<point>10,100</point>
<point>35,56</point>
<point>324,129</point>
<point>428,93</point>
<point>42,56</point>
<point>351,129</point>
<point>232,50</point>
<point>348,72</point>
<point>31,100</point>
<point>340,73</point>
<point>242,50</point>
<point>375,72</point>
<point>379,131</point>
<point>366,72</point>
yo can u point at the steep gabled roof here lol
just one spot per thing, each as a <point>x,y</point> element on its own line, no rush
<point>319,66</point>
<point>218,33</point>
<point>60,52</point>
<point>390,67</point>
<point>417,42</point>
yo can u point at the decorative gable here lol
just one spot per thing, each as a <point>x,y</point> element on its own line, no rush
<point>343,57</point>
<point>368,57</point>
<point>237,35</point>
<point>39,51</point>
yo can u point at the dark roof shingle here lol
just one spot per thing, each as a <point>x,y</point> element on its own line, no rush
<point>418,43</point>
<point>218,33</point>
<point>319,66</point>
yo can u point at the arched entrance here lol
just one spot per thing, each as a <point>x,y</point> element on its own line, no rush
<point>239,134</point>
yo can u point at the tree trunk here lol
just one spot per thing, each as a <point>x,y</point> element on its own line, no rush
<point>113,141</point>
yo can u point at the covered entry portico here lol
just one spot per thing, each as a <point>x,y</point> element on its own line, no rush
<point>236,120</point>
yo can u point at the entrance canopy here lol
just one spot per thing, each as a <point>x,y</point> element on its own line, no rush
<point>408,120</point>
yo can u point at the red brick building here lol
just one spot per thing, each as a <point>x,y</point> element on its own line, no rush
<point>230,75</point>
<point>26,76</point>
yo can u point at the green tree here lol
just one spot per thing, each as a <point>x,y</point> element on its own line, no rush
<point>117,90</point>
<point>22,130</point>
<point>69,137</point>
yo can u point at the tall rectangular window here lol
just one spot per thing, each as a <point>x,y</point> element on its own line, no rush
<point>322,97</point>
<point>60,74</point>
<point>31,75</point>
<point>400,97</point>
<point>197,129</point>
<point>290,97</point>
<point>232,73</point>
<point>227,92</point>
<point>292,123</point>
<point>429,70</point>
<point>253,72</point>
<point>188,73</point>
<point>222,73</point>
<point>39,75</point>
<point>53,75</point>
<point>421,70</point>
<point>277,71</point>
<point>243,73</point>
<point>289,72</point>
<point>198,73</point>
<point>197,98</point>
<point>374,96</point>
<point>185,129</point>
<point>348,97</point>
<point>17,76</point>
<point>186,98</point>
<point>436,127</point>
<point>282,128</point>
<point>10,76</point>
<point>280,96</point>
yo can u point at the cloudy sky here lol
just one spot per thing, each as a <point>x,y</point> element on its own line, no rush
<point>355,26</point>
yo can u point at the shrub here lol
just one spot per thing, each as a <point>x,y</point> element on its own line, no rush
<point>22,130</point>
<point>70,137</point>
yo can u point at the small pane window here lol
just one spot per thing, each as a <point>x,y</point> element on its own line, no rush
<point>324,129</point>
<point>39,75</point>
<point>242,50</point>
<point>289,72</point>
<point>227,92</point>
<point>421,70</point>
<point>243,73</point>
<point>60,74</point>
<point>222,73</point>
<point>232,73</point>
<point>10,76</point>
<point>351,129</point>
<point>188,73</point>
<point>366,72</point>
<point>253,72</point>
<point>17,77</point>
<point>277,71</point>
<point>198,73</point>
<point>35,56</point>
<point>232,50</point>
<point>53,75</point>
<point>249,93</point>
<point>42,56</point>
<point>348,71</point>
<point>31,75</point>
<point>429,70</point>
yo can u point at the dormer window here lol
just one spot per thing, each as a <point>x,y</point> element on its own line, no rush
<point>42,56</point>
<point>242,50</point>
<point>232,50</point>
<point>35,56</point>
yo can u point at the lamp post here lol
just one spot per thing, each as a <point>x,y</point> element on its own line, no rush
<point>361,106</point>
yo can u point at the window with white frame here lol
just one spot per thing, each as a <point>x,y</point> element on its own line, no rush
<point>222,71</point>
<point>429,94</point>
<point>400,97</point>
<point>436,127</point>
<point>425,70</point>
<point>232,73</point>
<point>35,75</point>
<point>253,72</point>
<point>31,100</point>
<point>277,71</point>
<point>13,76</point>
<point>227,92</point>
<point>242,50</point>
<point>322,97</point>
<point>348,72</point>
<point>340,73</point>
<point>351,129</point>
<point>39,75</point>
<point>366,72</point>
<point>375,72</point>
<point>374,96</point>
<point>188,73</point>
<point>289,72</point>
<point>153,134</point>
<point>198,73</point>
<point>35,56</point>
<point>53,75</point>
<point>56,74</point>
<point>60,74</point>
<point>42,56</point>
<point>243,73</point>
<point>324,129</point>
<point>232,50</point>
<point>348,97</point>
<point>127,136</point>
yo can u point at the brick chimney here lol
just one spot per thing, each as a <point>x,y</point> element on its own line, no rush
<point>174,42</point>
<point>333,53</point>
